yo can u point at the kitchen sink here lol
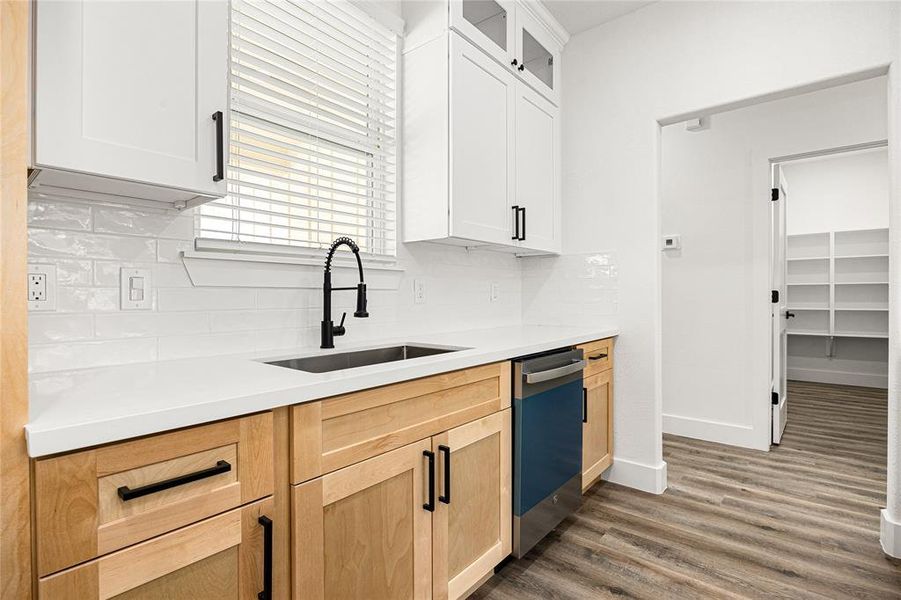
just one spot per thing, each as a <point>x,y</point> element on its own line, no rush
<point>359,358</point>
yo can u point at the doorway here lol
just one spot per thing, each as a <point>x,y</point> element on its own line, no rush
<point>829,229</point>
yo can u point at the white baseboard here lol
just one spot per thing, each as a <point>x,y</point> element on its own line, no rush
<point>646,478</point>
<point>716,431</point>
<point>838,377</point>
<point>890,535</point>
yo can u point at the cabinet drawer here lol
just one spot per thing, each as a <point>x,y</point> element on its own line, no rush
<point>344,430</point>
<point>598,355</point>
<point>221,558</point>
<point>92,502</point>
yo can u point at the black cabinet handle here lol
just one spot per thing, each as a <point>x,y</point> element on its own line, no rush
<point>523,235</point>
<point>430,505</point>
<point>515,222</point>
<point>598,356</point>
<point>584,404</point>
<point>514,62</point>
<point>447,474</point>
<point>789,315</point>
<point>220,151</point>
<point>126,493</point>
<point>521,67</point>
<point>266,522</point>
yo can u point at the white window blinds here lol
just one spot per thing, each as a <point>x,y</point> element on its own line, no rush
<point>312,129</point>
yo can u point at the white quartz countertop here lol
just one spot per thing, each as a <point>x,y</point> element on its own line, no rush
<point>85,407</point>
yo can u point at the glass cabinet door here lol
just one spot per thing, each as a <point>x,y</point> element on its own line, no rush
<point>486,23</point>
<point>538,55</point>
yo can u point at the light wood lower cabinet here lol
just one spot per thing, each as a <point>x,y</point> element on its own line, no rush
<point>473,520</point>
<point>221,558</point>
<point>597,427</point>
<point>391,526</point>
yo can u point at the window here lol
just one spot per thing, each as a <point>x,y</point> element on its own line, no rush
<point>312,130</point>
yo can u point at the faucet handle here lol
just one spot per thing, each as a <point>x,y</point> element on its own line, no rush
<point>339,329</point>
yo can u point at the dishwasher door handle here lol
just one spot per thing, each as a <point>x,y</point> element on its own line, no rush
<point>563,371</point>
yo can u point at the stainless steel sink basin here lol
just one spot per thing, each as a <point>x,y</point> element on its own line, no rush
<point>360,358</point>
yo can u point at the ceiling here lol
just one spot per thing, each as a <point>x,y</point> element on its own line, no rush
<point>579,15</point>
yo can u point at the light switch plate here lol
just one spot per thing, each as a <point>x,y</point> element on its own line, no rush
<point>41,287</point>
<point>418,291</point>
<point>135,291</point>
<point>494,291</point>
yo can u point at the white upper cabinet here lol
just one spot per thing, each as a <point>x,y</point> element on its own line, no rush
<point>481,133</point>
<point>538,56</point>
<point>125,95</point>
<point>482,145</point>
<point>537,181</point>
<point>489,24</point>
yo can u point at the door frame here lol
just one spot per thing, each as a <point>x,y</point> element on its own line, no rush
<point>776,164</point>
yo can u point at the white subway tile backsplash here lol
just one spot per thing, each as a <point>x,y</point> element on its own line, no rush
<point>205,298</point>
<point>169,251</point>
<point>166,225</point>
<point>74,244</point>
<point>248,320</point>
<point>59,215</point>
<point>72,272</point>
<point>87,299</point>
<point>150,324</point>
<point>187,346</point>
<point>47,327</point>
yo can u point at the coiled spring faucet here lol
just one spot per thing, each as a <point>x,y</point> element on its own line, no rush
<point>329,329</point>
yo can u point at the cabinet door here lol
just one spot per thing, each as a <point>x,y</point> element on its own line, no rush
<point>221,558</point>
<point>363,531</point>
<point>538,55</point>
<point>128,89</point>
<point>481,139</point>
<point>597,427</point>
<point>472,525</point>
<point>486,23</point>
<point>538,169</point>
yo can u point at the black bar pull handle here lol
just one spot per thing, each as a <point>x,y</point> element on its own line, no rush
<point>126,493</point>
<point>515,222</point>
<point>266,522</point>
<point>430,505</point>
<point>447,474</point>
<point>584,405</point>
<point>598,356</point>
<point>220,150</point>
<point>523,233</point>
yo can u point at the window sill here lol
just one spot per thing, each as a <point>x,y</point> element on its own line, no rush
<point>208,268</point>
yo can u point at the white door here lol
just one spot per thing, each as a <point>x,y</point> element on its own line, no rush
<point>488,24</point>
<point>779,312</point>
<point>537,188</point>
<point>128,89</point>
<point>481,140</point>
<point>538,56</point>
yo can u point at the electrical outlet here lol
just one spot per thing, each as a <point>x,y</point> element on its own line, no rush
<point>494,291</point>
<point>418,291</point>
<point>41,287</point>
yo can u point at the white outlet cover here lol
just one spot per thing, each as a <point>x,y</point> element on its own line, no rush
<point>418,291</point>
<point>135,278</point>
<point>50,272</point>
<point>494,291</point>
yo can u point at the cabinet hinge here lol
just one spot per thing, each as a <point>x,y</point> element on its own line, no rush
<point>774,296</point>
<point>775,397</point>
<point>774,194</point>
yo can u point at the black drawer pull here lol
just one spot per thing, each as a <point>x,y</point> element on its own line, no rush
<point>447,474</point>
<point>598,356</point>
<point>266,522</point>
<point>220,150</point>
<point>515,221</point>
<point>127,493</point>
<point>430,505</point>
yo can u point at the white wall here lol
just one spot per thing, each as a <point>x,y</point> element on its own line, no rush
<point>714,192</point>
<point>89,244</point>
<point>838,192</point>
<point>668,61</point>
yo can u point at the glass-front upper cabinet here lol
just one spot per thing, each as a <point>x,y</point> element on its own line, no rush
<point>488,24</point>
<point>538,56</point>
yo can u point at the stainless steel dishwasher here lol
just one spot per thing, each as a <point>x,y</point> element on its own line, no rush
<point>547,443</point>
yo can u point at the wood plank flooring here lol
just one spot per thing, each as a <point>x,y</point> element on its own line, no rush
<point>799,522</point>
